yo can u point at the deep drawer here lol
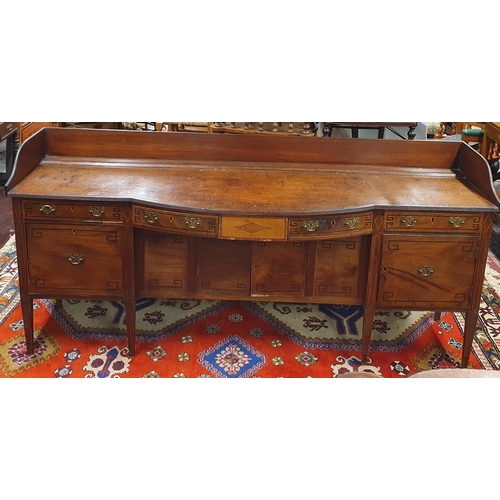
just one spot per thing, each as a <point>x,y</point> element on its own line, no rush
<point>427,270</point>
<point>80,260</point>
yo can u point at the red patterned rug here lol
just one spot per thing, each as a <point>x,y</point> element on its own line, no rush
<point>187,338</point>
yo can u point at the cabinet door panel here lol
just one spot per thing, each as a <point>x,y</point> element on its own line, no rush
<point>426,270</point>
<point>278,268</point>
<point>79,260</point>
<point>224,268</point>
<point>165,264</point>
<point>337,268</point>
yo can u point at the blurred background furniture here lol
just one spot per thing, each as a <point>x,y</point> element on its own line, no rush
<point>265,128</point>
<point>27,129</point>
<point>8,132</point>
<point>186,126</point>
<point>380,126</point>
<point>12,135</point>
<point>469,132</point>
<point>491,139</point>
<point>489,149</point>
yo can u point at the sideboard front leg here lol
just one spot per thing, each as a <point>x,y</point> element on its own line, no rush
<point>368,318</point>
<point>469,331</point>
<point>27,310</point>
<point>129,277</point>
<point>130,319</point>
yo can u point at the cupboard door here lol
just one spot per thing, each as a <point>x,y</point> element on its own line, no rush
<point>165,269</point>
<point>278,269</point>
<point>427,271</point>
<point>75,260</point>
<point>336,272</point>
<point>224,268</point>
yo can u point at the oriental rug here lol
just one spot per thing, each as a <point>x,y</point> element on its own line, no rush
<point>189,338</point>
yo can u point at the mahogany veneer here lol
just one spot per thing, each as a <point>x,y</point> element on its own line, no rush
<point>128,214</point>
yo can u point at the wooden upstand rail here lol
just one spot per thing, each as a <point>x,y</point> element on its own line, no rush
<point>110,214</point>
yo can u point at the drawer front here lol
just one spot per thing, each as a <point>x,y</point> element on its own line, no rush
<point>407,221</point>
<point>253,228</point>
<point>79,260</point>
<point>7,129</point>
<point>176,222</point>
<point>54,210</point>
<point>427,270</point>
<point>325,227</point>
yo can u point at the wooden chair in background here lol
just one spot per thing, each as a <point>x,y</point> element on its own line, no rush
<point>305,129</point>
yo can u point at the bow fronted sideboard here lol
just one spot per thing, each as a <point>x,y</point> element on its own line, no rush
<point>112,214</point>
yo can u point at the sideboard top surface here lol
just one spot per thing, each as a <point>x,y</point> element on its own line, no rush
<point>248,175</point>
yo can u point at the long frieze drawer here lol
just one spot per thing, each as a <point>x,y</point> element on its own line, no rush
<point>252,228</point>
<point>453,222</point>
<point>176,222</point>
<point>317,227</point>
<point>54,210</point>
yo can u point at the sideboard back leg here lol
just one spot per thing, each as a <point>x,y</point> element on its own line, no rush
<point>469,331</point>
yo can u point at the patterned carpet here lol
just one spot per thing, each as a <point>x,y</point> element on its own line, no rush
<point>186,338</point>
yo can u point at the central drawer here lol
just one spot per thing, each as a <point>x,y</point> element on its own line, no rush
<point>252,228</point>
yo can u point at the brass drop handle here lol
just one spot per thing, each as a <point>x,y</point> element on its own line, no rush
<point>97,211</point>
<point>47,209</point>
<point>351,222</point>
<point>193,222</point>
<point>10,127</point>
<point>310,225</point>
<point>408,221</point>
<point>457,221</point>
<point>426,270</point>
<point>151,217</point>
<point>75,259</point>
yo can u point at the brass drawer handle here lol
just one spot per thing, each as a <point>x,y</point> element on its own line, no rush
<point>9,127</point>
<point>310,225</point>
<point>408,221</point>
<point>426,270</point>
<point>47,209</point>
<point>97,211</point>
<point>351,222</point>
<point>193,222</point>
<point>457,221</point>
<point>75,259</point>
<point>151,217</point>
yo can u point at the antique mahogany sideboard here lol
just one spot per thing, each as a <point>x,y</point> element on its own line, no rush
<point>392,224</point>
